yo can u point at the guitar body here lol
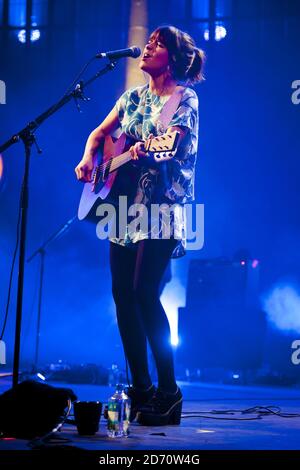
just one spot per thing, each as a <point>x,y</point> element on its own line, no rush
<point>115,175</point>
<point>97,191</point>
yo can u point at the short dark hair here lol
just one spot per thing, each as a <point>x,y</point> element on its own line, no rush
<point>186,59</point>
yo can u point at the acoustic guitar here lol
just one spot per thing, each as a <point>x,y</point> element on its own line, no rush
<point>115,155</point>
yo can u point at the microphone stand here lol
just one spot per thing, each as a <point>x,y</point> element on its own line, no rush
<point>42,252</point>
<point>26,135</point>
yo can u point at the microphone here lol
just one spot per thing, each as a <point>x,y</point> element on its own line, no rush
<point>113,55</point>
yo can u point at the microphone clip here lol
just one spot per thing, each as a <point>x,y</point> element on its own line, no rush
<point>79,94</point>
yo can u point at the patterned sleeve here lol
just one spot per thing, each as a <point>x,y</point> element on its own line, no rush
<point>181,169</point>
<point>187,112</point>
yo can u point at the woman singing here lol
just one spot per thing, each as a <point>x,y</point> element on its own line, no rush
<point>137,260</point>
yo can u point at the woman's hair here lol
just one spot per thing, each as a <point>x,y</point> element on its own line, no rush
<point>186,60</point>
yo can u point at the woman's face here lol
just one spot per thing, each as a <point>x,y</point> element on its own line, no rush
<point>155,59</point>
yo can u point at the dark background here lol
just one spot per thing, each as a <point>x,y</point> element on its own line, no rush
<point>247,172</point>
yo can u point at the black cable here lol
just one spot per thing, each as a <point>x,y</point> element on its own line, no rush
<point>12,272</point>
<point>19,216</point>
<point>71,85</point>
<point>204,414</point>
<point>260,411</point>
<point>81,72</point>
<point>271,410</point>
<point>223,419</point>
<point>39,442</point>
<point>127,371</point>
<point>31,310</point>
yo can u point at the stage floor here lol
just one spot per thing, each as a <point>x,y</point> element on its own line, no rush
<point>194,433</point>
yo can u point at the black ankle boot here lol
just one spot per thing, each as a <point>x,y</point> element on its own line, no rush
<point>139,398</point>
<point>163,409</point>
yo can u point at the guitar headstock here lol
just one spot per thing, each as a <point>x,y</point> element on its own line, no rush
<point>163,147</point>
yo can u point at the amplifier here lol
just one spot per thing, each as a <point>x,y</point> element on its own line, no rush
<point>222,325</point>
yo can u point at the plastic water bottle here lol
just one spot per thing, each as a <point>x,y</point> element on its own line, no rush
<point>118,413</point>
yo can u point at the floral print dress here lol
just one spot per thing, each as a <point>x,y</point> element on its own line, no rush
<point>167,184</point>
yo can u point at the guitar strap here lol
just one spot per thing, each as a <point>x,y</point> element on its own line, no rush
<point>166,115</point>
<point>169,109</point>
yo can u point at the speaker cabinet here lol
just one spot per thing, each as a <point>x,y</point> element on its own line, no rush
<point>222,325</point>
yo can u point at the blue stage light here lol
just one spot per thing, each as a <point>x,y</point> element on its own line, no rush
<point>35,35</point>
<point>220,33</point>
<point>206,35</point>
<point>282,305</point>
<point>22,36</point>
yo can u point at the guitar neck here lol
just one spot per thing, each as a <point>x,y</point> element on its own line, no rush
<point>161,146</point>
<point>119,161</point>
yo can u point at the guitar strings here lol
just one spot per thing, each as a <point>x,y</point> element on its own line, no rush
<point>108,162</point>
<point>103,166</point>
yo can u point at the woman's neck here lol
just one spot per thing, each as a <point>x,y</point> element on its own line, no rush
<point>162,85</point>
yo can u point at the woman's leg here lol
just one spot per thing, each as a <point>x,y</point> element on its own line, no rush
<point>122,264</point>
<point>153,257</point>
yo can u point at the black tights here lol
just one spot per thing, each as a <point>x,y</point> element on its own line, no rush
<point>136,277</point>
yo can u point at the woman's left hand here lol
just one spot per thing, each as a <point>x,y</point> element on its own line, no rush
<point>138,149</point>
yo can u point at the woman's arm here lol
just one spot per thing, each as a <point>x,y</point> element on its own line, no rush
<point>84,169</point>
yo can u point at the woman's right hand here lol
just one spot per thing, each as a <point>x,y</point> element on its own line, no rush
<point>84,169</point>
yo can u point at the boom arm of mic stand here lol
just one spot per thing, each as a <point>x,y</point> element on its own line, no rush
<point>76,93</point>
<point>28,138</point>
